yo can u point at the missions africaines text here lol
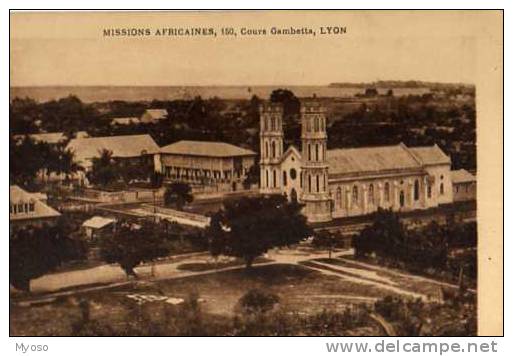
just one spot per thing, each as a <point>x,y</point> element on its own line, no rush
<point>210,31</point>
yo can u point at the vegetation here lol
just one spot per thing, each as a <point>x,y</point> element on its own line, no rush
<point>35,251</point>
<point>133,244</point>
<point>258,301</point>
<point>178,195</point>
<point>28,158</point>
<point>425,250</point>
<point>249,227</point>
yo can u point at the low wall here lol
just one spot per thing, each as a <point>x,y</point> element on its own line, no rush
<point>181,217</point>
<point>123,196</point>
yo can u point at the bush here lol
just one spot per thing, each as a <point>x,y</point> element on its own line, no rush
<point>258,301</point>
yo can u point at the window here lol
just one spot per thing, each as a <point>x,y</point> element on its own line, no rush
<point>317,181</point>
<point>274,179</point>
<point>300,180</point>
<point>284,178</point>
<point>416,190</point>
<point>429,191</point>
<point>355,194</point>
<point>309,183</point>
<point>20,208</point>
<point>317,152</point>
<point>338,197</point>
<point>266,178</point>
<point>266,149</point>
<point>273,149</point>
<point>273,123</point>
<point>441,189</point>
<point>371,193</point>
<point>266,126</point>
<point>293,173</point>
<point>309,152</point>
<point>387,192</point>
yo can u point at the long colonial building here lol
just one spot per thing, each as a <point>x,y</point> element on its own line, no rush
<point>207,166</point>
<point>348,182</point>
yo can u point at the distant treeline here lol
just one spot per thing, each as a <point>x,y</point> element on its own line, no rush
<point>401,84</point>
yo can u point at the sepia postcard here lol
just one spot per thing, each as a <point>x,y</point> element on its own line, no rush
<point>256,173</point>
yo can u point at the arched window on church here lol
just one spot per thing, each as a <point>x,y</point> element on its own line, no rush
<point>387,192</point>
<point>274,180</point>
<point>266,178</point>
<point>441,189</point>
<point>371,193</point>
<point>416,190</point>
<point>355,195</point>
<point>309,152</point>
<point>429,190</point>
<point>338,197</point>
<point>317,152</point>
<point>273,149</point>
<point>317,181</point>
<point>284,177</point>
<point>309,183</point>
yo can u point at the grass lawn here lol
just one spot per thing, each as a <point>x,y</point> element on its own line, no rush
<point>404,280</point>
<point>299,288</point>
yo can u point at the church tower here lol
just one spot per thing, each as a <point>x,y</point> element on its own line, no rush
<point>314,169</point>
<point>271,147</point>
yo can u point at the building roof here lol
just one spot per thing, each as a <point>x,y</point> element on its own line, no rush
<point>156,114</point>
<point>120,146</point>
<point>370,159</point>
<point>20,196</point>
<point>98,222</point>
<point>48,137</point>
<point>462,176</point>
<point>429,155</point>
<point>125,120</point>
<point>206,149</point>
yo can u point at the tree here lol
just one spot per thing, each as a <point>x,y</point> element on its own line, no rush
<point>133,244</point>
<point>250,226</point>
<point>178,195</point>
<point>324,239</point>
<point>35,251</point>
<point>104,170</point>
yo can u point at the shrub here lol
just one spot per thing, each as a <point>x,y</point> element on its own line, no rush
<point>258,301</point>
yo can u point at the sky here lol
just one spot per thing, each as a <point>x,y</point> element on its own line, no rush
<point>70,49</point>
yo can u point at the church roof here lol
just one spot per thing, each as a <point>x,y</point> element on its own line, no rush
<point>120,146</point>
<point>206,149</point>
<point>371,159</point>
<point>429,155</point>
<point>20,196</point>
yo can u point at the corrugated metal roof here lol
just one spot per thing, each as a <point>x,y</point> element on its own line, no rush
<point>156,114</point>
<point>430,155</point>
<point>206,149</point>
<point>120,146</point>
<point>462,176</point>
<point>370,159</point>
<point>97,222</point>
<point>20,196</point>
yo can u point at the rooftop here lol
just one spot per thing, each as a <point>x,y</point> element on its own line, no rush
<point>120,146</point>
<point>430,155</point>
<point>462,176</point>
<point>98,222</point>
<point>18,196</point>
<point>370,159</point>
<point>206,149</point>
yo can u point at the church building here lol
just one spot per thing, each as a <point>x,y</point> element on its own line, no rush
<point>347,182</point>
